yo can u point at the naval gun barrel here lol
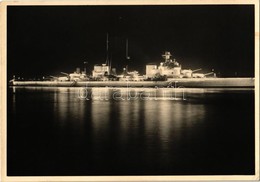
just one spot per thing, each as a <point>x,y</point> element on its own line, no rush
<point>64,73</point>
<point>209,73</point>
<point>196,70</point>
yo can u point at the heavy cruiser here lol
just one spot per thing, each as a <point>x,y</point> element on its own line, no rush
<point>168,74</point>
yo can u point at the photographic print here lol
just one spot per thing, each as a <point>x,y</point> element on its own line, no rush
<point>144,91</point>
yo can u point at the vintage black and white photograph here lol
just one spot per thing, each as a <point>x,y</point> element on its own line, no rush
<point>131,90</point>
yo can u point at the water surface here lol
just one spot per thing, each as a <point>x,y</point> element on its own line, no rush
<point>124,131</point>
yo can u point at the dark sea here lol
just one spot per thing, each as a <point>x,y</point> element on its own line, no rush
<point>129,131</point>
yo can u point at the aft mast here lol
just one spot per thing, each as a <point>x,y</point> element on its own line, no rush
<point>107,55</point>
<point>127,56</point>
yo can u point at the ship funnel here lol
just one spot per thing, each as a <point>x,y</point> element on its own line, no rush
<point>78,70</point>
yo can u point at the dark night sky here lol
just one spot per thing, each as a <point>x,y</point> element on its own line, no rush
<point>44,40</point>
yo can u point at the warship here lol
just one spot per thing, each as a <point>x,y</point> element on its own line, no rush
<point>168,73</point>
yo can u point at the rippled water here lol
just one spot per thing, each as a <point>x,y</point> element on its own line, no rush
<point>127,131</point>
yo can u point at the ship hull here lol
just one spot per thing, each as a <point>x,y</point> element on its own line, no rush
<point>187,83</point>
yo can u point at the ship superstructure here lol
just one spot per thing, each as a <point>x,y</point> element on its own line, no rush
<point>170,68</point>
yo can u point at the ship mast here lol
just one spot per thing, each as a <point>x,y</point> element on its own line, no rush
<point>107,55</point>
<point>126,48</point>
<point>127,57</point>
<point>107,59</point>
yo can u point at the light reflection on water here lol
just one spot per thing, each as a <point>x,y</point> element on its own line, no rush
<point>153,118</point>
<point>152,129</point>
<point>132,93</point>
<point>158,117</point>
